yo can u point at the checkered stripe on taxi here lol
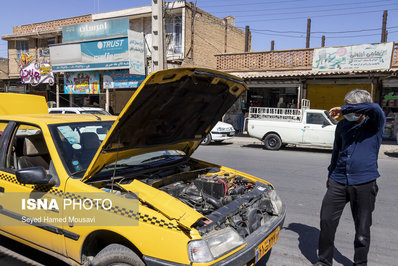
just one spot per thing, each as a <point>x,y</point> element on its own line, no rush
<point>116,209</point>
<point>143,218</point>
<point>10,178</point>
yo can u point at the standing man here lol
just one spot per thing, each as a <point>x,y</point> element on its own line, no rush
<point>352,174</point>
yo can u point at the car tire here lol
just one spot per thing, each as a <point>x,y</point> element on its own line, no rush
<point>207,139</point>
<point>116,254</point>
<point>272,142</point>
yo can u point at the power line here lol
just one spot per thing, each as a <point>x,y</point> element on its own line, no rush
<point>258,3</point>
<point>278,35</point>
<point>302,7</point>
<point>355,36</point>
<point>315,36</point>
<point>319,16</point>
<point>314,11</point>
<point>322,32</point>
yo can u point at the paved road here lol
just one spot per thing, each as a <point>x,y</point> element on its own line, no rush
<point>300,176</point>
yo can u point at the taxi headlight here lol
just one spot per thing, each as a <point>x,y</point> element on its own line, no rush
<point>214,245</point>
<point>276,202</point>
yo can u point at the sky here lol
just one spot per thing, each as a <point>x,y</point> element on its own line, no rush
<point>284,21</point>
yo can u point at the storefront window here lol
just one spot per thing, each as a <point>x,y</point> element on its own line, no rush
<point>389,103</point>
<point>22,48</point>
<point>273,97</point>
<point>174,35</point>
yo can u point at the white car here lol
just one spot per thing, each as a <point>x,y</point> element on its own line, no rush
<point>220,132</point>
<point>78,110</point>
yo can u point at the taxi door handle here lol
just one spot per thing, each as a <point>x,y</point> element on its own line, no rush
<point>1,190</point>
<point>306,126</point>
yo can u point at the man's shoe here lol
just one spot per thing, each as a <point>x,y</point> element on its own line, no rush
<point>319,264</point>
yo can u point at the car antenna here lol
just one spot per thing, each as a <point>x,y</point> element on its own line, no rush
<point>117,156</point>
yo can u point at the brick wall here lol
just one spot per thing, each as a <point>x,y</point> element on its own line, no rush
<point>50,25</point>
<point>3,68</point>
<point>297,59</point>
<point>209,38</point>
<point>34,43</point>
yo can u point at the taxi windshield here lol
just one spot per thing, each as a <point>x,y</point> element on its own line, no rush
<point>139,163</point>
<point>77,143</point>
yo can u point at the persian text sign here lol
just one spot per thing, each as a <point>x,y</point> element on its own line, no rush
<point>355,57</point>
<point>35,73</point>
<point>122,79</point>
<point>136,52</point>
<point>93,55</point>
<point>81,82</point>
<point>95,30</point>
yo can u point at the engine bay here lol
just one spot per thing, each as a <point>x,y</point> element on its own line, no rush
<point>224,198</point>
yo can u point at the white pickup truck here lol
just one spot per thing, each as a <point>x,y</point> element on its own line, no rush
<point>281,126</point>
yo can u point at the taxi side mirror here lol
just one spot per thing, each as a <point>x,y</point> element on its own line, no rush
<point>33,176</point>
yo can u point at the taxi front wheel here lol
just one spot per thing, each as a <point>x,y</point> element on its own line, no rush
<point>116,254</point>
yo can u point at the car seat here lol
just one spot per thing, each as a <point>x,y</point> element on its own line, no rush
<point>35,153</point>
<point>90,143</point>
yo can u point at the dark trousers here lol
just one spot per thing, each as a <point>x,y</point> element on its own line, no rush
<point>362,201</point>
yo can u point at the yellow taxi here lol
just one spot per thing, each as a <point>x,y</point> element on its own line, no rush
<point>107,190</point>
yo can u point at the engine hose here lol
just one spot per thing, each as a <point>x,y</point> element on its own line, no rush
<point>212,200</point>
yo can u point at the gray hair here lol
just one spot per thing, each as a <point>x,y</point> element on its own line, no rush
<point>357,96</point>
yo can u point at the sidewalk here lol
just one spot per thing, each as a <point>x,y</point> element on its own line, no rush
<point>388,149</point>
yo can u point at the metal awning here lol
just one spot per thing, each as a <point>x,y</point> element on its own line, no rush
<point>308,73</point>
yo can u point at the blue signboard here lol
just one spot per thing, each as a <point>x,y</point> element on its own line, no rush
<point>95,30</point>
<point>93,55</point>
<point>122,79</point>
<point>106,50</point>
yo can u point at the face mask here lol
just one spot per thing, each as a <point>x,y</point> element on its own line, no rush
<point>351,117</point>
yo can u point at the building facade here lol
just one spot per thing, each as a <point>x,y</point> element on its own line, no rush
<point>3,73</point>
<point>282,78</point>
<point>192,38</point>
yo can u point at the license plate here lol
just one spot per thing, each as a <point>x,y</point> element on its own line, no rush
<point>266,245</point>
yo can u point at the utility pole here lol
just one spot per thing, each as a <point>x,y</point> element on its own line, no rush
<point>158,55</point>
<point>225,35</point>
<point>323,41</point>
<point>247,37</point>
<point>272,45</point>
<point>384,27</point>
<point>307,43</point>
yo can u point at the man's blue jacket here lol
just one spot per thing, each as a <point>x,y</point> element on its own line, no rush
<point>356,145</point>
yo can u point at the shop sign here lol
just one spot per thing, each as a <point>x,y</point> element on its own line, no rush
<point>95,30</point>
<point>16,88</point>
<point>44,52</point>
<point>94,55</point>
<point>391,96</point>
<point>355,57</point>
<point>81,82</point>
<point>33,72</point>
<point>122,79</point>
<point>136,52</point>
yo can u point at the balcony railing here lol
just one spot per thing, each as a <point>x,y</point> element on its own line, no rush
<point>298,59</point>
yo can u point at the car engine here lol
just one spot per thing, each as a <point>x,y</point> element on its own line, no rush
<point>224,198</point>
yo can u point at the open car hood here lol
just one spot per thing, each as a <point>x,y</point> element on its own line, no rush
<point>172,110</point>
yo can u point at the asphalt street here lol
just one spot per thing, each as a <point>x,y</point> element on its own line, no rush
<point>299,175</point>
